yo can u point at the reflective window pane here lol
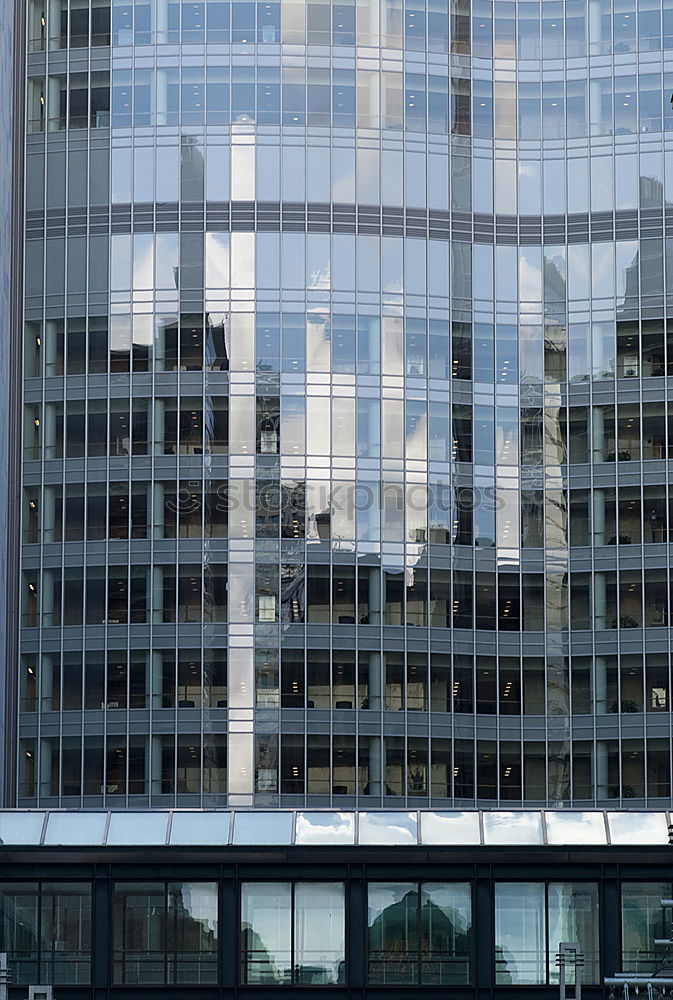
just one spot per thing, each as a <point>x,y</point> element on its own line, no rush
<point>319,933</point>
<point>419,934</point>
<point>572,914</point>
<point>262,828</point>
<point>520,934</point>
<point>533,918</point>
<point>393,929</point>
<point>643,921</point>
<point>45,928</point>
<point>387,828</point>
<point>165,932</point>
<point>325,828</point>
<point>277,917</point>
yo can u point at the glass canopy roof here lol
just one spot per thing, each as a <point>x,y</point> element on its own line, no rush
<point>450,828</point>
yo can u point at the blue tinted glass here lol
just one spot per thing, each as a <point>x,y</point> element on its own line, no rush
<point>262,828</point>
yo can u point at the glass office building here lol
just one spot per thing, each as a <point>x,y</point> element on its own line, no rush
<point>345,429</point>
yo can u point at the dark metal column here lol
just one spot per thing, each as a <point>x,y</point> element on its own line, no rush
<point>611,960</point>
<point>102,918</point>
<point>482,934</point>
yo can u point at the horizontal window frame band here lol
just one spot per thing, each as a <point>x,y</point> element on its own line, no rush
<point>445,725</point>
<point>350,218</point>
<point>645,638</point>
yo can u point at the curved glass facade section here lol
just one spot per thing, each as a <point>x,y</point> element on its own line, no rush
<point>346,421</point>
<point>9,311</point>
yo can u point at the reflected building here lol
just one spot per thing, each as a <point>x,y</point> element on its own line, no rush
<point>421,937</point>
<point>344,429</point>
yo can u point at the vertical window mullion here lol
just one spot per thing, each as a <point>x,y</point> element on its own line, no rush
<point>293,887</point>
<point>48,953</point>
<point>38,942</point>
<point>419,935</point>
<point>165,932</point>
<point>546,930</point>
<point>124,936</point>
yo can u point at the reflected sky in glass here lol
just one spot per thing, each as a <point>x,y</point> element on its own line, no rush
<point>388,828</point>
<point>200,828</point>
<point>137,828</point>
<point>638,828</point>
<point>450,828</point>
<point>575,827</point>
<point>513,828</point>
<point>315,827</point>
<point>76,828</point>
<point>21,827</point>
<point>262,828</point>
<point>324,828</point>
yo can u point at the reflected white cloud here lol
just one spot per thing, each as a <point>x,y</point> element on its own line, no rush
<point>450,828</point>
<point>388,828</point>
<point>513,828</point>
<point>638,828</point>
<point>325,828</point>
<point>575,827</point>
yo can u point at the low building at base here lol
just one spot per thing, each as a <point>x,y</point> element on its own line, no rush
<point>227,904</point>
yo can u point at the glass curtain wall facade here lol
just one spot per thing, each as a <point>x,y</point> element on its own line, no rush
<point>345,412</point>
<point>10,255</point>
